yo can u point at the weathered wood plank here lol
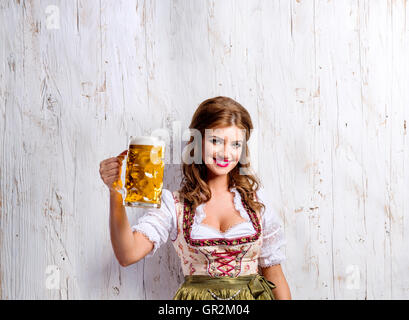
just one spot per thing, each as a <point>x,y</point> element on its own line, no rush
<point>326,85</point>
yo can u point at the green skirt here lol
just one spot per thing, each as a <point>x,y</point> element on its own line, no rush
<point>201,287</point>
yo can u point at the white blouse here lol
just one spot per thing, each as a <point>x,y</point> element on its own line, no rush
<point>159,224</point>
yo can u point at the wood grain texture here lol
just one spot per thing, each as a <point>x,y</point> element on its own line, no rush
<point>326,83</point>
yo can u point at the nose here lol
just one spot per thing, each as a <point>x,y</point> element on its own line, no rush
<point>226,153</point>
<point>224,157</point>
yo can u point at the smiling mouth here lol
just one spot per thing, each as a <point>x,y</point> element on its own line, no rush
<point>221,163</point>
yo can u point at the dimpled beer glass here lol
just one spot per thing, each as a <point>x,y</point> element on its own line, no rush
<point>144,172</point>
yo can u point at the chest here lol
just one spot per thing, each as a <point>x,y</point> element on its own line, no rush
<point>221,216</point>
<point>218,256</point>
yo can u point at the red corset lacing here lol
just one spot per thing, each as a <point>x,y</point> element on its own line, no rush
<point>224,259</point>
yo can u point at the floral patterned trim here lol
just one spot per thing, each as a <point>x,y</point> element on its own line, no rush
<point>188,222</point>
<point>176,200</point>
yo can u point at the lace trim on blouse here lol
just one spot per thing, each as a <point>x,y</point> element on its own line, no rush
<point>201,230</point>
<point>200,214</point>
<point>188,220</point>
<point>158,224</point>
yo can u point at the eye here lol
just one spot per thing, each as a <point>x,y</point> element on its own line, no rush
<point>213,140</point>
<point>237,144</point>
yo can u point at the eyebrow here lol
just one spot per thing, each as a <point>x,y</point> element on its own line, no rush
<point>223,139</point>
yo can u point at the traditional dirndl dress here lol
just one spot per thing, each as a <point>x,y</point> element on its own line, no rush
<point>219,268</point>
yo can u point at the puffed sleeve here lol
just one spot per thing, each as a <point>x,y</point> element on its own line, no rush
<point>272,252</point>
<point>158,224</point>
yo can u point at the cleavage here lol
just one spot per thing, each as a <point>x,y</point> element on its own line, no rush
<point>225,222</point>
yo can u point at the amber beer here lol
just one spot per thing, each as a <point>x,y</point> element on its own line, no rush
<point>144,172</point>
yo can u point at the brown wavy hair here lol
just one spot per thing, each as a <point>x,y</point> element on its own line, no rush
<point>220,112</point>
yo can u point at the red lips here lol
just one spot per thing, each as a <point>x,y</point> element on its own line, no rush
<point>221,165</point>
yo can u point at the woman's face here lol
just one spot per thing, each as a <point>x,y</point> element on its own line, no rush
<point>222,148</point>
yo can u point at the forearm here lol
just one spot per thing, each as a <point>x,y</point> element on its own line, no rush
<point>275,275</point>
<point>122,238</point>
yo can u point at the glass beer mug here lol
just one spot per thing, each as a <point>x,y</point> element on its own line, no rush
<point>144,173</point>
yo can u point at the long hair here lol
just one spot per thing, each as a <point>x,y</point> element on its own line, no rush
<point>213,113</point>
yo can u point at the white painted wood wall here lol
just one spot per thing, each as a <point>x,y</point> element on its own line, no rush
<point>327,85</point>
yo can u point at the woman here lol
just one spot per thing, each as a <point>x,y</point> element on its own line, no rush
<point>227,240</point>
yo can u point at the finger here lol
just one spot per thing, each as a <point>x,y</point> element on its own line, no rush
<point>107,161</point>
<point>105,169</point>
<point>120,160</point>
<point>111,166</point>
<point>111,172</point>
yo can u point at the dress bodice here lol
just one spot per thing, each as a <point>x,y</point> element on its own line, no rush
<point>205,250</point>
<point>204,231</point>
<point>216,256</point>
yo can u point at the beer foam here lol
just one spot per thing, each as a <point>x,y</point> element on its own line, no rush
<point>147,140</point>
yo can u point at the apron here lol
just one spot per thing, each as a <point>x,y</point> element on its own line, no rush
<point>219,268</point>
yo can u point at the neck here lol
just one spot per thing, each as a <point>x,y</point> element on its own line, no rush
<point>218,183</point>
